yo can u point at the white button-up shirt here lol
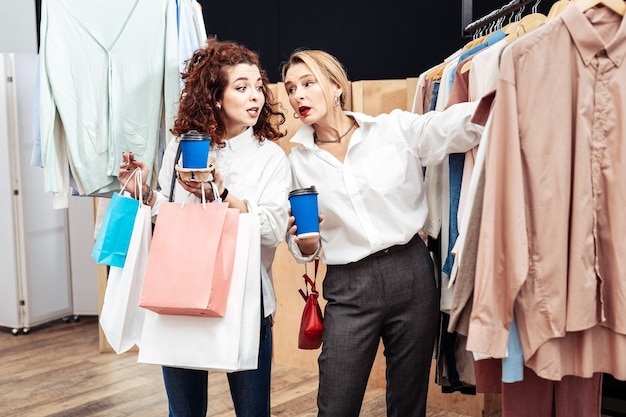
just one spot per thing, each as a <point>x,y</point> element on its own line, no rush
<point>375,198</point>
<point>257,173</point>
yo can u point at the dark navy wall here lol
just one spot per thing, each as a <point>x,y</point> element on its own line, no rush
<point>374,39</point>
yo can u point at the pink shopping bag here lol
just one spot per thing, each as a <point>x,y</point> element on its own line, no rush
<point>191,260</point>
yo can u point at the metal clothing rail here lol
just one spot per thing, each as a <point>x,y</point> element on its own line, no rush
<point>491,17</point>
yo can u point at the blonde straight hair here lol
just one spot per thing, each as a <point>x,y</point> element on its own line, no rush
<point>327,70</point>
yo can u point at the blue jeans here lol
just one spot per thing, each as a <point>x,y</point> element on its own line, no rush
<point>250,390</point>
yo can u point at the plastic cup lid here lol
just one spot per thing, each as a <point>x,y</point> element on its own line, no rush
<point>303,191</point>
<point>195,135</point>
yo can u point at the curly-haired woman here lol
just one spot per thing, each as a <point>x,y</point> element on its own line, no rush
<point>226,95</point>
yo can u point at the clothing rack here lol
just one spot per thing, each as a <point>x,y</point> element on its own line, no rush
<point>510,7</point>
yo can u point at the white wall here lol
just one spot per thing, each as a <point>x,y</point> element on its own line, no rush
<point>18,34</point>
<point>18,26</point>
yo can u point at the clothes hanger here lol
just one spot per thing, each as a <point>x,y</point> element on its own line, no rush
<point>466,67</point>
<point>471,44</point>
<point>511,7</point>
<point>484,33</point>
<point>525,25</point>
<point>479,37</point>
<point>618,6</point>
<point>475,42</point>
<point>518,27</point>
<point>436,73</point>
<point>557,8</point>
<point>510,24</point>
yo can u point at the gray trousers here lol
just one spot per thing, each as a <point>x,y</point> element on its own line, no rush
<point>392,296</point>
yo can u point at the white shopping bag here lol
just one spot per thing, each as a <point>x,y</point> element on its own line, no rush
<point>121,318</point>
<point>229,343</point>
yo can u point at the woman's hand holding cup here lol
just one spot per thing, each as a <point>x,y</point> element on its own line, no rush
<point>307,244</point>
<point>195,187</point>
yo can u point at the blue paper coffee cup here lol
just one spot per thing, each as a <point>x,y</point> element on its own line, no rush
<point>304,208</point>
<point>195,149</point>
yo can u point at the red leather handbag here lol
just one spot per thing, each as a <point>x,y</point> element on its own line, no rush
<point>312,323</point>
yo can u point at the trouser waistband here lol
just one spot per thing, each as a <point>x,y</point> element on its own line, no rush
<point>393,249</point>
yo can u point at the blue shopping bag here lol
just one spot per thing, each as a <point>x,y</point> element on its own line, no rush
<point>117,227</point>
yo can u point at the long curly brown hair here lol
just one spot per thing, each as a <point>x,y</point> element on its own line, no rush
<point>205,77</point>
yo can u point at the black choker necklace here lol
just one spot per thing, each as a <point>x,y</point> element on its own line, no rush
<point>316,139</point>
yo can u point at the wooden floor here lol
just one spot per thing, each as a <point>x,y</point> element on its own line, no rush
<point>57,370</point>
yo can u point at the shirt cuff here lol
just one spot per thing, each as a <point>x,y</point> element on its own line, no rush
<point>483,110</point>
<point>295,251</point>
<point>487,340</point>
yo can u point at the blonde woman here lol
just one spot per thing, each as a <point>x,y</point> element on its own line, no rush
<point>380,281</point>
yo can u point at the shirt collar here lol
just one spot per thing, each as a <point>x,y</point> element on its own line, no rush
<point>304,135</point>
<point>587,40</point>
<point>240,140</point>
